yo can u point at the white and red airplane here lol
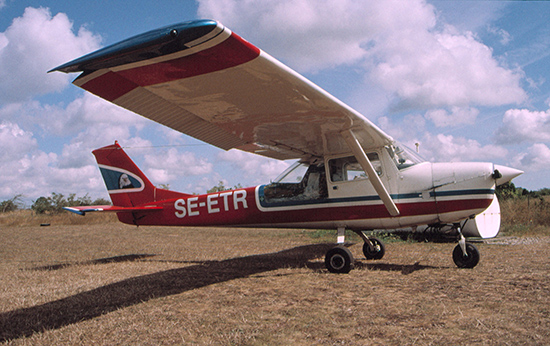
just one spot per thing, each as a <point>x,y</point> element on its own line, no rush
<point>201,79</point>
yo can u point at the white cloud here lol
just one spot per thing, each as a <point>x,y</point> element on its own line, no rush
<point>88,111</point>
<point>28,174</point>
<point>206,183</point>
<point>258,169</point>
<point>537,158</point>
<point>168,165</point>
<point>406,130</point>
<point>523,125</point>
<point>89,122</point>
<point>26,170</point>
<point>309,35</point>
<point>14,140</point>
<point>446,148</point>
<point>82,114</point>
<point>400,44</point>
<point>435,69</point>
<point>504,35</point>
<point>458,116</point>
<point>34,44</point>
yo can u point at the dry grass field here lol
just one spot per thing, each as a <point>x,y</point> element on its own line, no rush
<point>106,283</point>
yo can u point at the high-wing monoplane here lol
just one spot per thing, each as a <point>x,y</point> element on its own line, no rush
<point>203,80</point>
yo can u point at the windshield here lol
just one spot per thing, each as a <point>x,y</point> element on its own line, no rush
<point>293,174</point>
<point>403,156</point>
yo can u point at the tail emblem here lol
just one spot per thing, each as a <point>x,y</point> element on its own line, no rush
<point>119,180</point>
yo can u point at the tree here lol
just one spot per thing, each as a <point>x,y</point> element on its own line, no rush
<point>221,187</point>
<point>218,188</point>
<point>42,205</point>
<point>508,190</point>
<point>100,201</point>
<point>11,204</point>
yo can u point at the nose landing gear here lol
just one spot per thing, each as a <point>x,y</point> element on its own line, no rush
<point>465,255</point>
<point>373,248</point>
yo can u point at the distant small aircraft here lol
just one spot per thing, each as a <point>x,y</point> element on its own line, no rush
<point>201,79</point>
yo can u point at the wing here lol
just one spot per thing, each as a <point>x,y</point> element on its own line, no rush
<point>201,79</point>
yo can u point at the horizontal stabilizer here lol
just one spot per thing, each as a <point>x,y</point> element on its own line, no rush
<point>85,209</point>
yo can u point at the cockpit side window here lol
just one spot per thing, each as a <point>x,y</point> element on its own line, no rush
<point>348,169</point>
<point>301,182</point>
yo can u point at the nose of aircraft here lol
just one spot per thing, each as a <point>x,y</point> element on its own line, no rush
<point>504,174</point>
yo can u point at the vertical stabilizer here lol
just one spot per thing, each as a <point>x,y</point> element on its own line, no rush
<point>126,183</point>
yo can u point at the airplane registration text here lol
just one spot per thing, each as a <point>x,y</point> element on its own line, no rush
<point>214,203</point>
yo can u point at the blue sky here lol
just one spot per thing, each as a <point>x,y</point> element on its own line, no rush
<point>468,80</point>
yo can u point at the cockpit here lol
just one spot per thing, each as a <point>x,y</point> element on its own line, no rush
<point>307,180</point>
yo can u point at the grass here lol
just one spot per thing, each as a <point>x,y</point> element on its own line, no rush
<point>27,217</point>
<point>106,283</point>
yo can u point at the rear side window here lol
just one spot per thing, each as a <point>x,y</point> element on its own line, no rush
<point>348,169</point>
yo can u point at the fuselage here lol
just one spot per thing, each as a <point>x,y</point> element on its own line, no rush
<point>425,193</point>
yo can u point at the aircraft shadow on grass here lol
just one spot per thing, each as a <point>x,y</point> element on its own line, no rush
<point>102,300</point>
<point>115,259</point>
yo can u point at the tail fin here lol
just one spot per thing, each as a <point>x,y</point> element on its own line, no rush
<point>126,183</point>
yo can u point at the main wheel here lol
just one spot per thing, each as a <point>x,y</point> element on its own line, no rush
<point>339,260</point>
<point>376,253</point>
<point>469,261</point>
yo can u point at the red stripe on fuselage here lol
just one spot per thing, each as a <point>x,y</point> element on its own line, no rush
<point>231,52</point>
<point>227,209</point>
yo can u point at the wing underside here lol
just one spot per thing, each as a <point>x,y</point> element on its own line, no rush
<point>201,79</point>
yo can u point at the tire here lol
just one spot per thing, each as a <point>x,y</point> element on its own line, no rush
<point>379,251</point>
<point>469,261</point>
<point>339,260</point>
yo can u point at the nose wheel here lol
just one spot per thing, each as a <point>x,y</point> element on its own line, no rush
<point>465,255</point>
<point>467,259</point>
<point>373,249</point>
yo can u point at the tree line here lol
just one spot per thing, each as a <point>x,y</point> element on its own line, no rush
<point>55,203</point>
<point>52,204</point>
<point>510,191</point>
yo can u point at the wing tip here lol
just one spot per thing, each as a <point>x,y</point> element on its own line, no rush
<point>164,39</point>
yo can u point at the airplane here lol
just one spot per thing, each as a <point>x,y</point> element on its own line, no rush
<point>202,79</point>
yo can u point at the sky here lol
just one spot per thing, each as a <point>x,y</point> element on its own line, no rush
<point>467,80</point>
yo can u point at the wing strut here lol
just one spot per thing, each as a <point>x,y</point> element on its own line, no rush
<point>363,160</point>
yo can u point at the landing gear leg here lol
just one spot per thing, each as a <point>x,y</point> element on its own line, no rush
<point>465,255</point>
<point>339,259</point>
<point>373,248</point>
